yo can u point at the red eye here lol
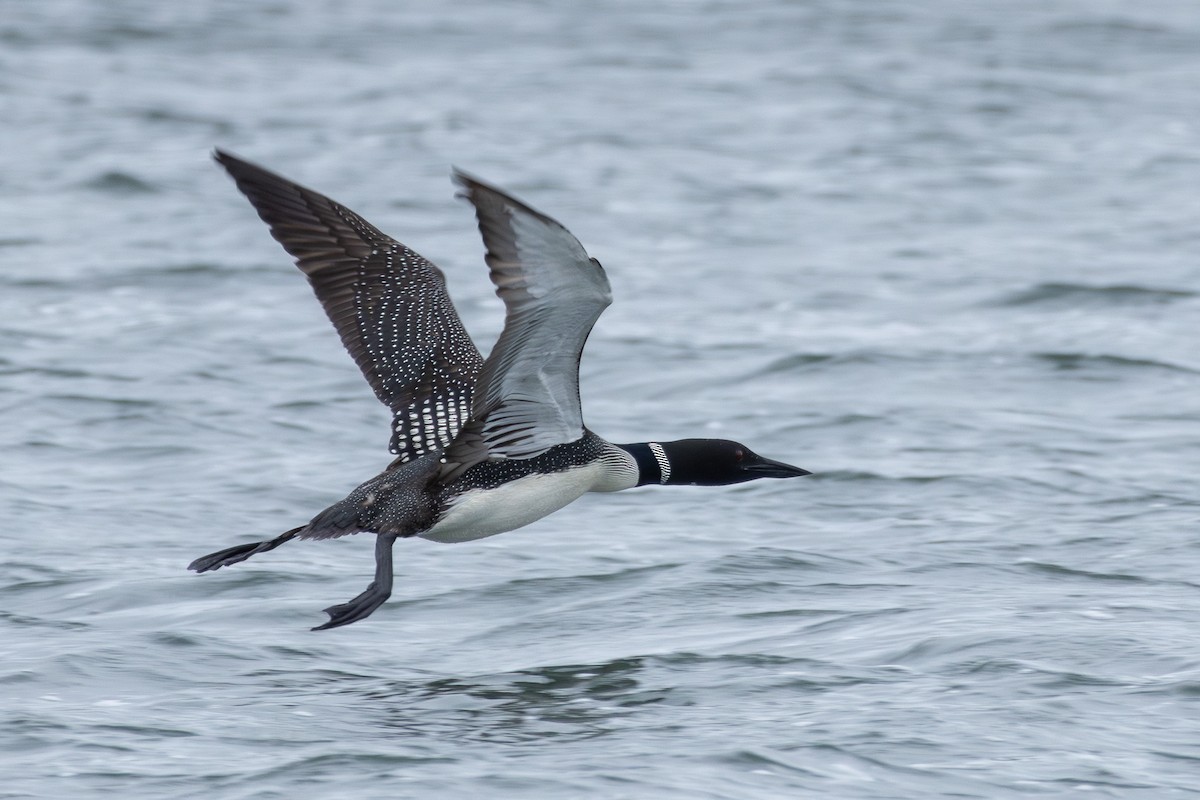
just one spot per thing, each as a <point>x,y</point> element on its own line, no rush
<point>738,455</point>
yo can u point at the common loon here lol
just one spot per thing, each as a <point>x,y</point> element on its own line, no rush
<point>481,446</point>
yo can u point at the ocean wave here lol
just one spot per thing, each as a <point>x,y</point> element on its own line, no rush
<point>1060,295</point>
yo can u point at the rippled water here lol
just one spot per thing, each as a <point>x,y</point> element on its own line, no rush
<point>944,255</point>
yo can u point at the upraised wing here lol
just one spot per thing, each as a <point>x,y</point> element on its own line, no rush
<point>389,305</point>
<point>527,395</point>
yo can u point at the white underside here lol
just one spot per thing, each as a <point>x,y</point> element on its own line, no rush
<point>485,512</point>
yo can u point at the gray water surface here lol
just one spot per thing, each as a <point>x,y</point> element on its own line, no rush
<point>945,255</point>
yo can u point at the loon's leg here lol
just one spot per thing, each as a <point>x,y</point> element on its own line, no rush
<point>232,555</point>
<point>379,591</point>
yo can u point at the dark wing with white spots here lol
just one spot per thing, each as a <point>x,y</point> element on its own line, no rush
<point>389,305</point>
<point>527,396</point>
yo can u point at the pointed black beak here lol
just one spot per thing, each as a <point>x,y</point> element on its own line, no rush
<point>766,468</point>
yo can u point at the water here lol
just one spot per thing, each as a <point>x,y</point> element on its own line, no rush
<point>943,254</point>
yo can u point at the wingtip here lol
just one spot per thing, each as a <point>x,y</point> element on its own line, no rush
<point>229,161</point>
<point>478,191</point>
<point>243,171</point>
<point>466,182</point>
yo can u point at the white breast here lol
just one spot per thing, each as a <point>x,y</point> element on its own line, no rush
<point>485,512</point>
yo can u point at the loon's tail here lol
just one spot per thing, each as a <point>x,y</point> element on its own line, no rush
<point>232,555</point>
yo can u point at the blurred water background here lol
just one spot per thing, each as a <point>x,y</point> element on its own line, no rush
<point>943,254</point>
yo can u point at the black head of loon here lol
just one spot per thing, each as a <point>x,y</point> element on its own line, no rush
<point>704,462</point>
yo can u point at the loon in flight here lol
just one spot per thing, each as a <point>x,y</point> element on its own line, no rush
<point>482,446</point>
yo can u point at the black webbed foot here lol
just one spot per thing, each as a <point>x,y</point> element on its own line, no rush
<point>232,555</point>
<point>360,607</point>
<point>223,558</point>
<point>375,595</point>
